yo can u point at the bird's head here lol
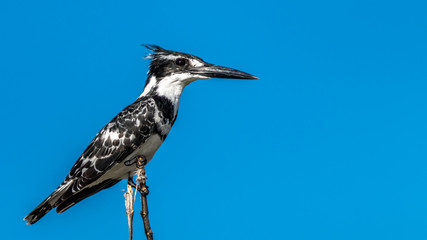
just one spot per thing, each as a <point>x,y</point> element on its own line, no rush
<point>182,68</point>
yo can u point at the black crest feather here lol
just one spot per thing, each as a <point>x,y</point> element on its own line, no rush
<point>152,47</point>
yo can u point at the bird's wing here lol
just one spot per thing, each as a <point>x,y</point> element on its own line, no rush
<point>129,129</point>
<point>119,138</point>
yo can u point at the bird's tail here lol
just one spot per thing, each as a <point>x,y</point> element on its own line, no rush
<point>47,205</point>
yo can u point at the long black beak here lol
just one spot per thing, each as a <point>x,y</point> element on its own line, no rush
<point>215,71</point>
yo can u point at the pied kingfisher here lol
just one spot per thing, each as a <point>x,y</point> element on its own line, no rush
<point>138,130</point>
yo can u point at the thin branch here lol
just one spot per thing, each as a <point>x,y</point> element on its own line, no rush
<point>129,201</point>
<point>143,189</point>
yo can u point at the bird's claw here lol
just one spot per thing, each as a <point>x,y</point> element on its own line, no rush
<point>139,160</point>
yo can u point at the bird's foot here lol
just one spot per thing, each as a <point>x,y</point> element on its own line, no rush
<point>139,160</point>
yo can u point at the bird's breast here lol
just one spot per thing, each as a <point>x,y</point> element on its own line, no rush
<point>148,148</point>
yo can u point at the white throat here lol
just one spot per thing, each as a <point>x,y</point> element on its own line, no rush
<point>170,87</point>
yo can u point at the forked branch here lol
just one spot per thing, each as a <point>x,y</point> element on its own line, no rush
<point>130,199</point>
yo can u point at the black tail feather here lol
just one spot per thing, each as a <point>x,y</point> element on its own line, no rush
<point>56,200</point>
<point>86,192</point>
<point>38,212</point>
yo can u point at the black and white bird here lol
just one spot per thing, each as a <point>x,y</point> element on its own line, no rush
<point>138,130</point>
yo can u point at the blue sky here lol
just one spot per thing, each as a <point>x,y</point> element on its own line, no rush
<point>330,143</point>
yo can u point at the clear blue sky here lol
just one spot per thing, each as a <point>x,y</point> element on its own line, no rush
<point>330,143</point>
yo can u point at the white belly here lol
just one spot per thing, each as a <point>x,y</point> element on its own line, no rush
<point>148,148</point>
<point>121,171</point>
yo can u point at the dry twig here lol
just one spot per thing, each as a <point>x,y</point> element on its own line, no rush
<point>129,201</point>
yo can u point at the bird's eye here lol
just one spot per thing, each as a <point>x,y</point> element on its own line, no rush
<point>181,61</point>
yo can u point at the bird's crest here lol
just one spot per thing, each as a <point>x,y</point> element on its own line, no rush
<point>154,48</point>
<point>159,52</point>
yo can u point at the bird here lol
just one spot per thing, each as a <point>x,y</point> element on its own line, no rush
<point>138,130</point>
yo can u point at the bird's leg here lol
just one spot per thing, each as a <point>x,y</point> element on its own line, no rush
<point>131,182</point>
